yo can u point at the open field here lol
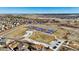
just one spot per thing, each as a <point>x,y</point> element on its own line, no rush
<point>42,37</point>
<point>60,33</point>
<point>19,31</point>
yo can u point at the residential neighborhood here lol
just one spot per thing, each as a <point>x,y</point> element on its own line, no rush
<point>39,32</point>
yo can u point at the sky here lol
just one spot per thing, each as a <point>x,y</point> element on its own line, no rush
<point>38,10</point>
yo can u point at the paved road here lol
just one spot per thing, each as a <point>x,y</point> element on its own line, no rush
<point>72,29</point>
<point>70,47</point>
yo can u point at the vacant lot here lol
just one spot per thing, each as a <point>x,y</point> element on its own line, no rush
<point>42,37</point>
<point>18,31</point>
